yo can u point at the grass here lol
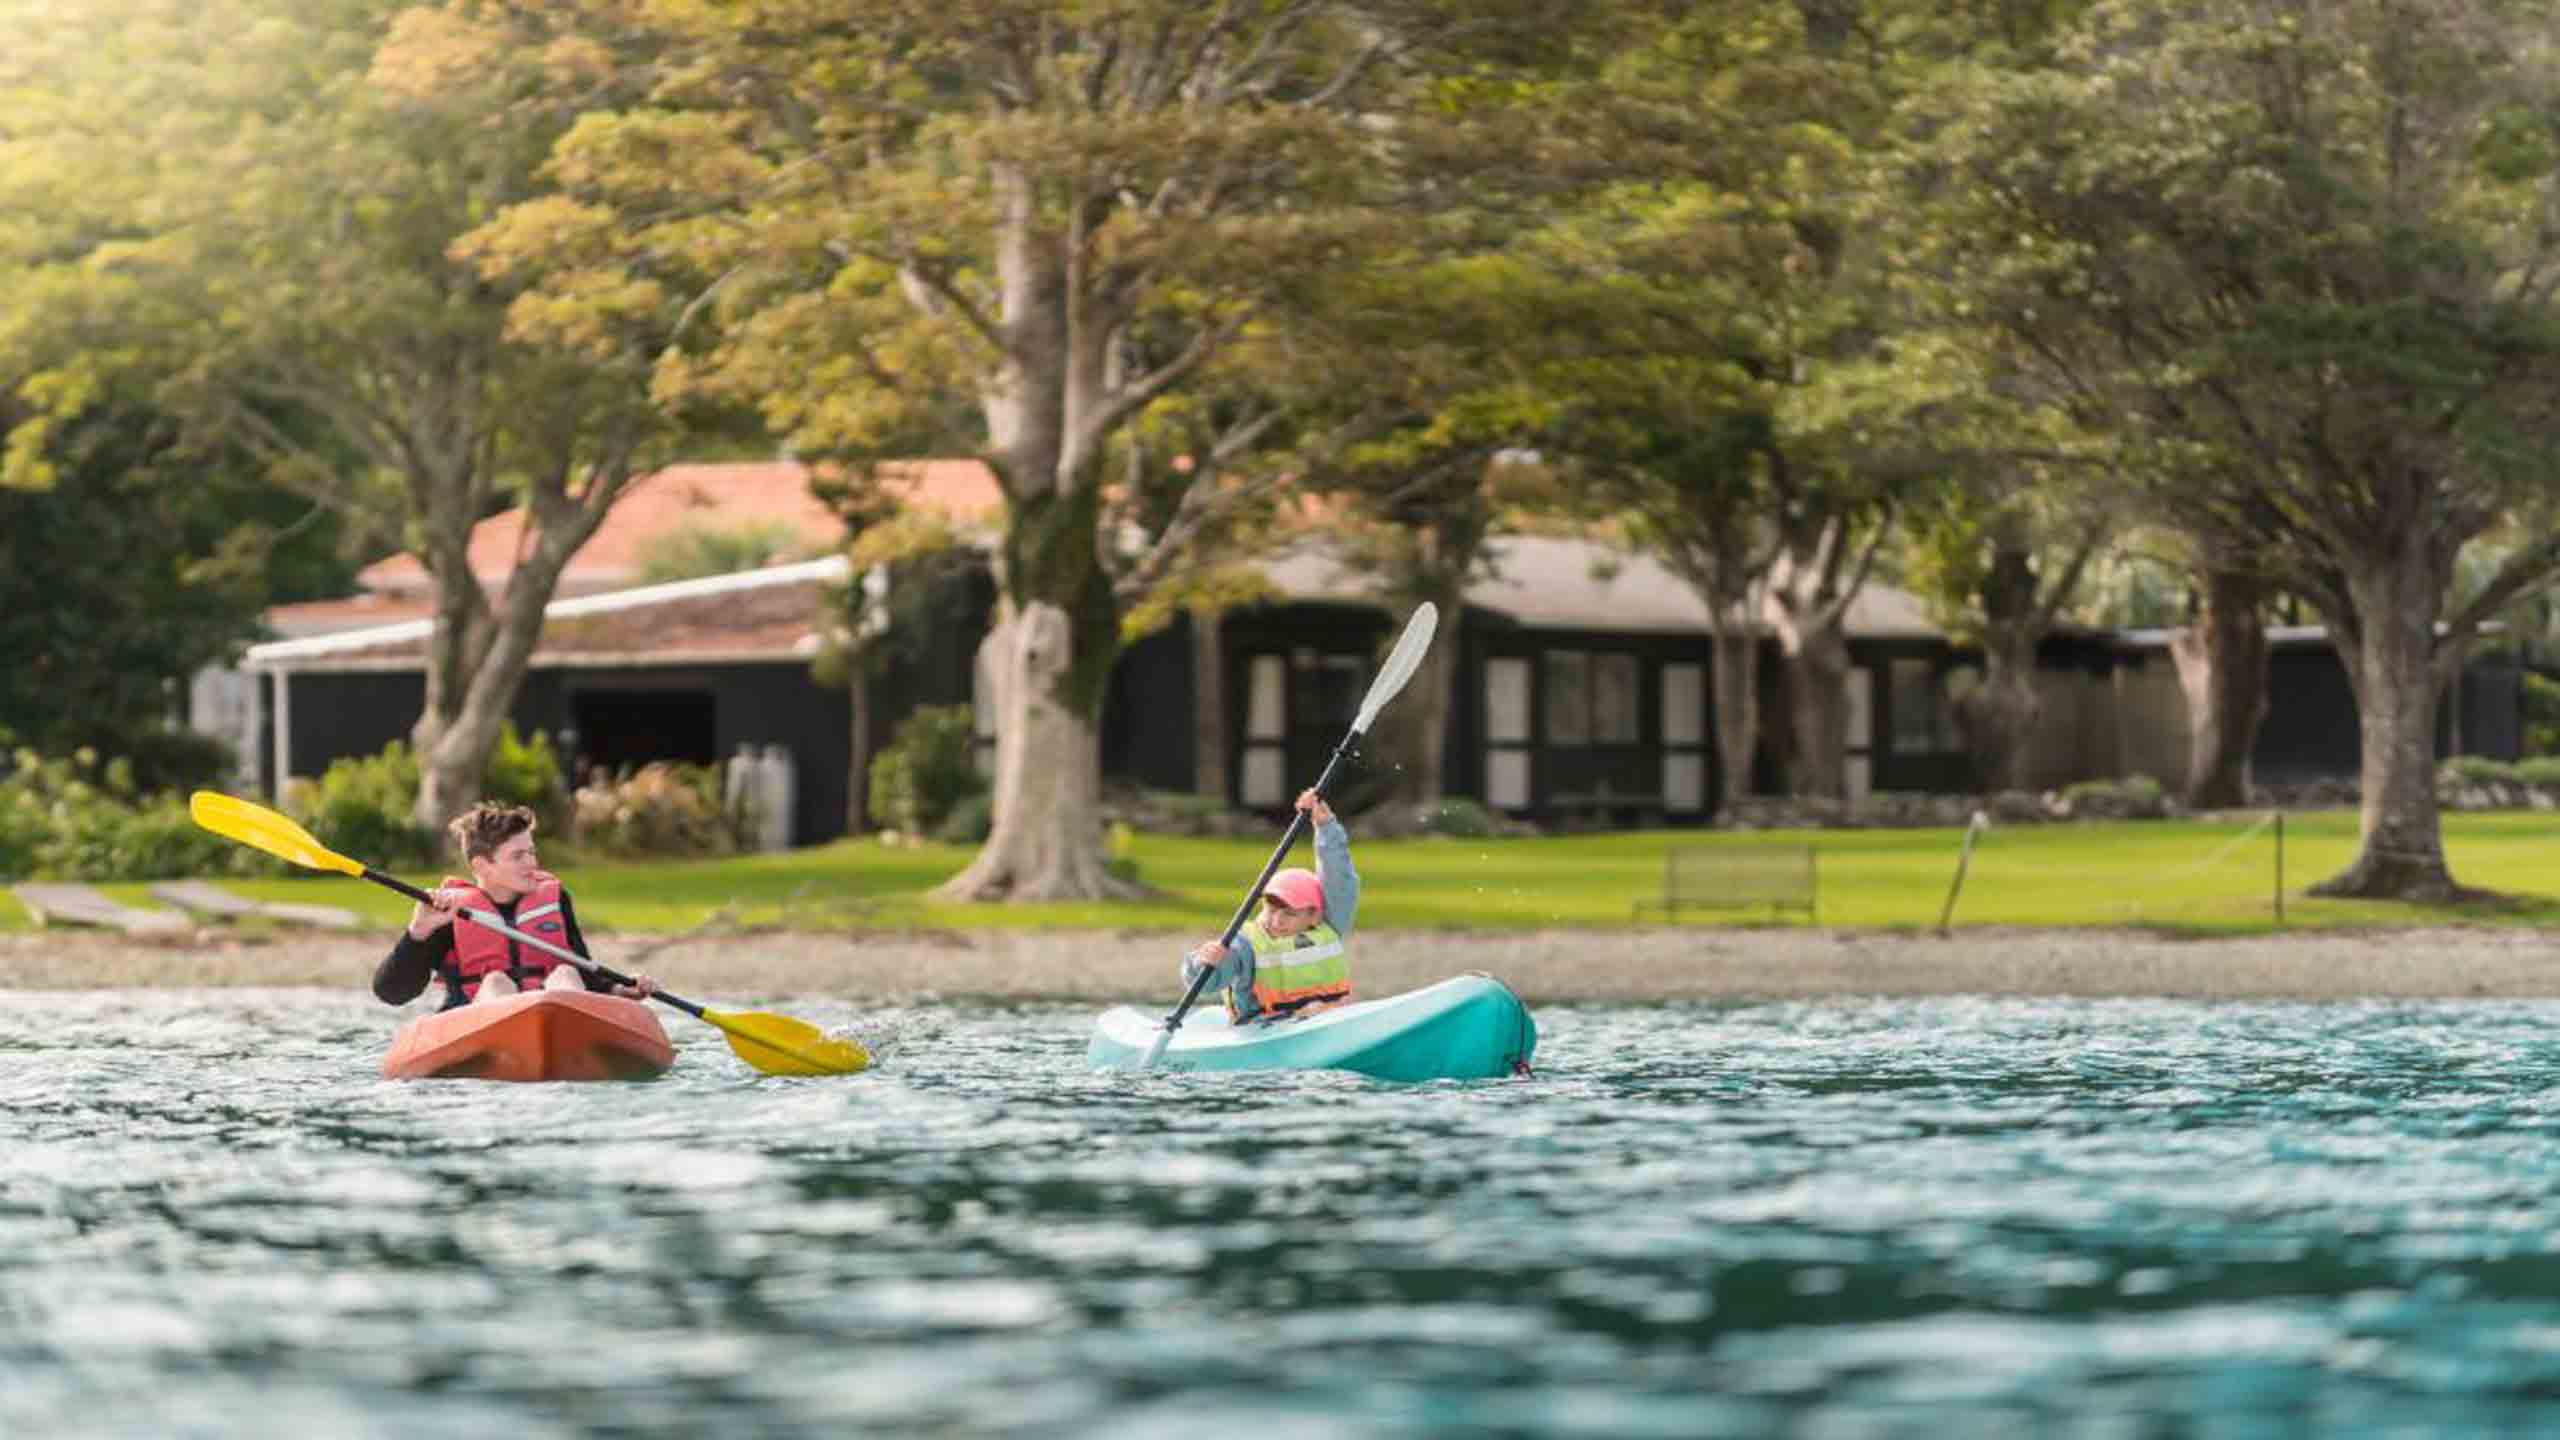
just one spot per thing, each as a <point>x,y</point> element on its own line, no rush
<point>2204,876</point>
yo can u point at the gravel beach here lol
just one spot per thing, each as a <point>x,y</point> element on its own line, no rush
<point>1543,966</point>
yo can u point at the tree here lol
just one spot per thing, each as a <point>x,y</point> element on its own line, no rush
<point>279,253</point>
<point>1063,213</point>
<point>2296,253</point>
<point>1999,567</point>
<point>135,565</point>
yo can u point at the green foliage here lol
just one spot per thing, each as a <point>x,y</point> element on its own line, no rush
<point>969,822</point>
<point>527,772</point>
<point>154,840</point>
<point>920,778</point>
<point>1459,818</point>
<point>2541,714</point>
<point>660,809</point>
<point>2134,797</point>
<point>78,818</point>
<point>364,807</point>
<point>2477,770</point>
<point>693,551</point>
<point>2540,771</point>
<point>1183,812</point>
<point>138,565</point>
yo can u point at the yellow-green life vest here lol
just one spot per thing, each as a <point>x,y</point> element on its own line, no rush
<point>1308,968</point>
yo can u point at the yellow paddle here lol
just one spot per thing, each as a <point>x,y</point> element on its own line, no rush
<point>774,1044</point>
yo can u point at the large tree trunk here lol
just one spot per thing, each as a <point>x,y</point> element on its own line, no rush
<point>455,733</point>
<point>1049,409</point>
<point>2000,717</point>
<point>1047,841</point>
<point>1818,699</point>
<point>1811,606</point>
<point>2389,649</point>
<point>1735,672</point>
<point>2222,668</point>
<point>476,662</point>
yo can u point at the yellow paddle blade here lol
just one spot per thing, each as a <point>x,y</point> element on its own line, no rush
<point>257,825</point>
<point>780,1045</point>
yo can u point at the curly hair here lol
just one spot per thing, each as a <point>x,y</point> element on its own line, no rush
<point>484,827</point>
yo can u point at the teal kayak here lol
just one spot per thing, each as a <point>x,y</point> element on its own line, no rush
<point>1468,1028</point>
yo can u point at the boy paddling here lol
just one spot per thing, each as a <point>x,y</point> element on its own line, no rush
<point>477,963</point>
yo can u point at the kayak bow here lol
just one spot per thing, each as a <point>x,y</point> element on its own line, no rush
<point>539,1035</point>
<point>1467,1028</point>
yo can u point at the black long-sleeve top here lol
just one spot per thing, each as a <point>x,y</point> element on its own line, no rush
<point>403,974</point>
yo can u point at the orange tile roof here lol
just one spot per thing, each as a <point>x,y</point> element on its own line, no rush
<point>723,495</point>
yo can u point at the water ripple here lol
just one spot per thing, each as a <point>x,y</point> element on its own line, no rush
<point>1971,1216</point>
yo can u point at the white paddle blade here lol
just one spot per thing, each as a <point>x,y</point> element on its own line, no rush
<point>1400,665</point>
<point>1155,1048</point>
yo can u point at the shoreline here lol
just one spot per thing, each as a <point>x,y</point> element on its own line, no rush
<point>1546,967</point>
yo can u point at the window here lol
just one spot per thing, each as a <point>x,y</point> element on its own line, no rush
<point>1506,702</point>
<point>1684,704</point>
<point>1326,691</point>
<point>1614,694</point>
<point>1506,726</point>
<point>1568,697</point>
<point>1684,737</point>
<point>1592,699</point>
<point>1923,716</point>
<point>1262,780</point>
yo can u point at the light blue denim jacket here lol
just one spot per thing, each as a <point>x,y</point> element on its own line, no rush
<point>1234,975</point>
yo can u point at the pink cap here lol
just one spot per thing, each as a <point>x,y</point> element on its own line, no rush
<point>1297,888</point>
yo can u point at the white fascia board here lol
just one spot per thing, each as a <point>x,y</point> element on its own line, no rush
<point>292,654</point>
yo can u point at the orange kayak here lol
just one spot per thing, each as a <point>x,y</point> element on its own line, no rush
<point>544,1035</point>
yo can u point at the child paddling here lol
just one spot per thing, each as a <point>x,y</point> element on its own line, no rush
<point>1292,959</point>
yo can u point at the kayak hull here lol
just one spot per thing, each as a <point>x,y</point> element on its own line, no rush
<point>542,1035</point>
<point>1467,1028</point>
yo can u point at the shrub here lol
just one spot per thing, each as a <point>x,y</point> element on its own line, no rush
<point>178,760</point>
<point>1458,818</point>
<point>154,841</point>
<point>527,773</point>
<point>924,774</point>
<point>2541,772</point>
<point>1120,852</point>
<point>2477,770</point>
<point>2135,797</point>
<point>692,551</point>
<point>77,819</point>
<point>24,816</point>
<point>365,808</point>
<point>2541,703</point>
<point>970,822</point>
<point>661,809</point>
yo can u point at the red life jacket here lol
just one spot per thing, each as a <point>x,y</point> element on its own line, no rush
<point>479,950</point>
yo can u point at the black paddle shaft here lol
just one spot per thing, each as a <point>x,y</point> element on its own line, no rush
<point>1270,867</point>
<point>606,973</point>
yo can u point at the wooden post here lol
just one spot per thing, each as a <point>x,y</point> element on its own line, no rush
<point>1964,857</point>
<point>2279,867</point>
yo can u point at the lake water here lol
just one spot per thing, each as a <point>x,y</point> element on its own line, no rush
<point>1951,1218</point>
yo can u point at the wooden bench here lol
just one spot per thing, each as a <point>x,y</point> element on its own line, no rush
<point>86,905</point>
<point>1736,877</point>
<point>212,900</point>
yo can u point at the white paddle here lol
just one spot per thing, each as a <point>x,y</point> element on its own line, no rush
<point>1391,677</point>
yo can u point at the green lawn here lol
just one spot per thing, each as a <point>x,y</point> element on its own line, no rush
<point>2204,876</point>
